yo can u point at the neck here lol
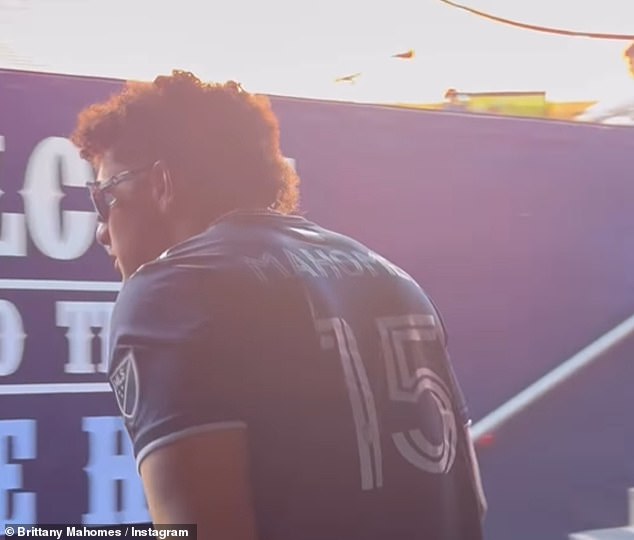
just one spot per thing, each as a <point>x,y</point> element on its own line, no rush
<point>182,229</point>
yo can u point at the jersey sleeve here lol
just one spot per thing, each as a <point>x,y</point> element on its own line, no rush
<point>168,371</point>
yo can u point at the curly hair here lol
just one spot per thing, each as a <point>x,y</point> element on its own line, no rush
<point>216,136</point>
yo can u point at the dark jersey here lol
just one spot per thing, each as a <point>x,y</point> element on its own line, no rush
<point>330,356</point>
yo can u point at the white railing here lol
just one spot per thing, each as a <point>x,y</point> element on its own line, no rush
<point>618,533</point>
<point>551,380</point>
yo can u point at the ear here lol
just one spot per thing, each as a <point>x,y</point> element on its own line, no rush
<point>163,186</point>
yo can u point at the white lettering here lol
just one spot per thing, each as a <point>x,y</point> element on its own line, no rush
<point>17,441</point>
<point>299,264</point>
<point>259,265</point>
<point>110,463</point>
<point>12,338</point>
<point>322,262</point>
<point>366,260</point>
<point>80,318</point>
<point>346,262</point>
<point>59,234</point>
<point>12,228</point>
<point>12,235</point>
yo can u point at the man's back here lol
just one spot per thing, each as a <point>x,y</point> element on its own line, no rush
<point>332,357</point>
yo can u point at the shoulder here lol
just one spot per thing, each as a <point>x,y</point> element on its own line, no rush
<point>161,299</point>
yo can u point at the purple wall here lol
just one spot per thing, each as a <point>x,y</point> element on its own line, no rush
<point>521,230</point>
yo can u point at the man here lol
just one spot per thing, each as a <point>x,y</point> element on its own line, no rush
<point>278,380</point>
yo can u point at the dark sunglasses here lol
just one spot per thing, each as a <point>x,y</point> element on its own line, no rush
<point>101,192</point>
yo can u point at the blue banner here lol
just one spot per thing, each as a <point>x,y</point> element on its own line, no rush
<point>521,230</point>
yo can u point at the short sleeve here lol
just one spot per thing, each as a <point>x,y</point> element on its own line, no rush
<point>167,370</point>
